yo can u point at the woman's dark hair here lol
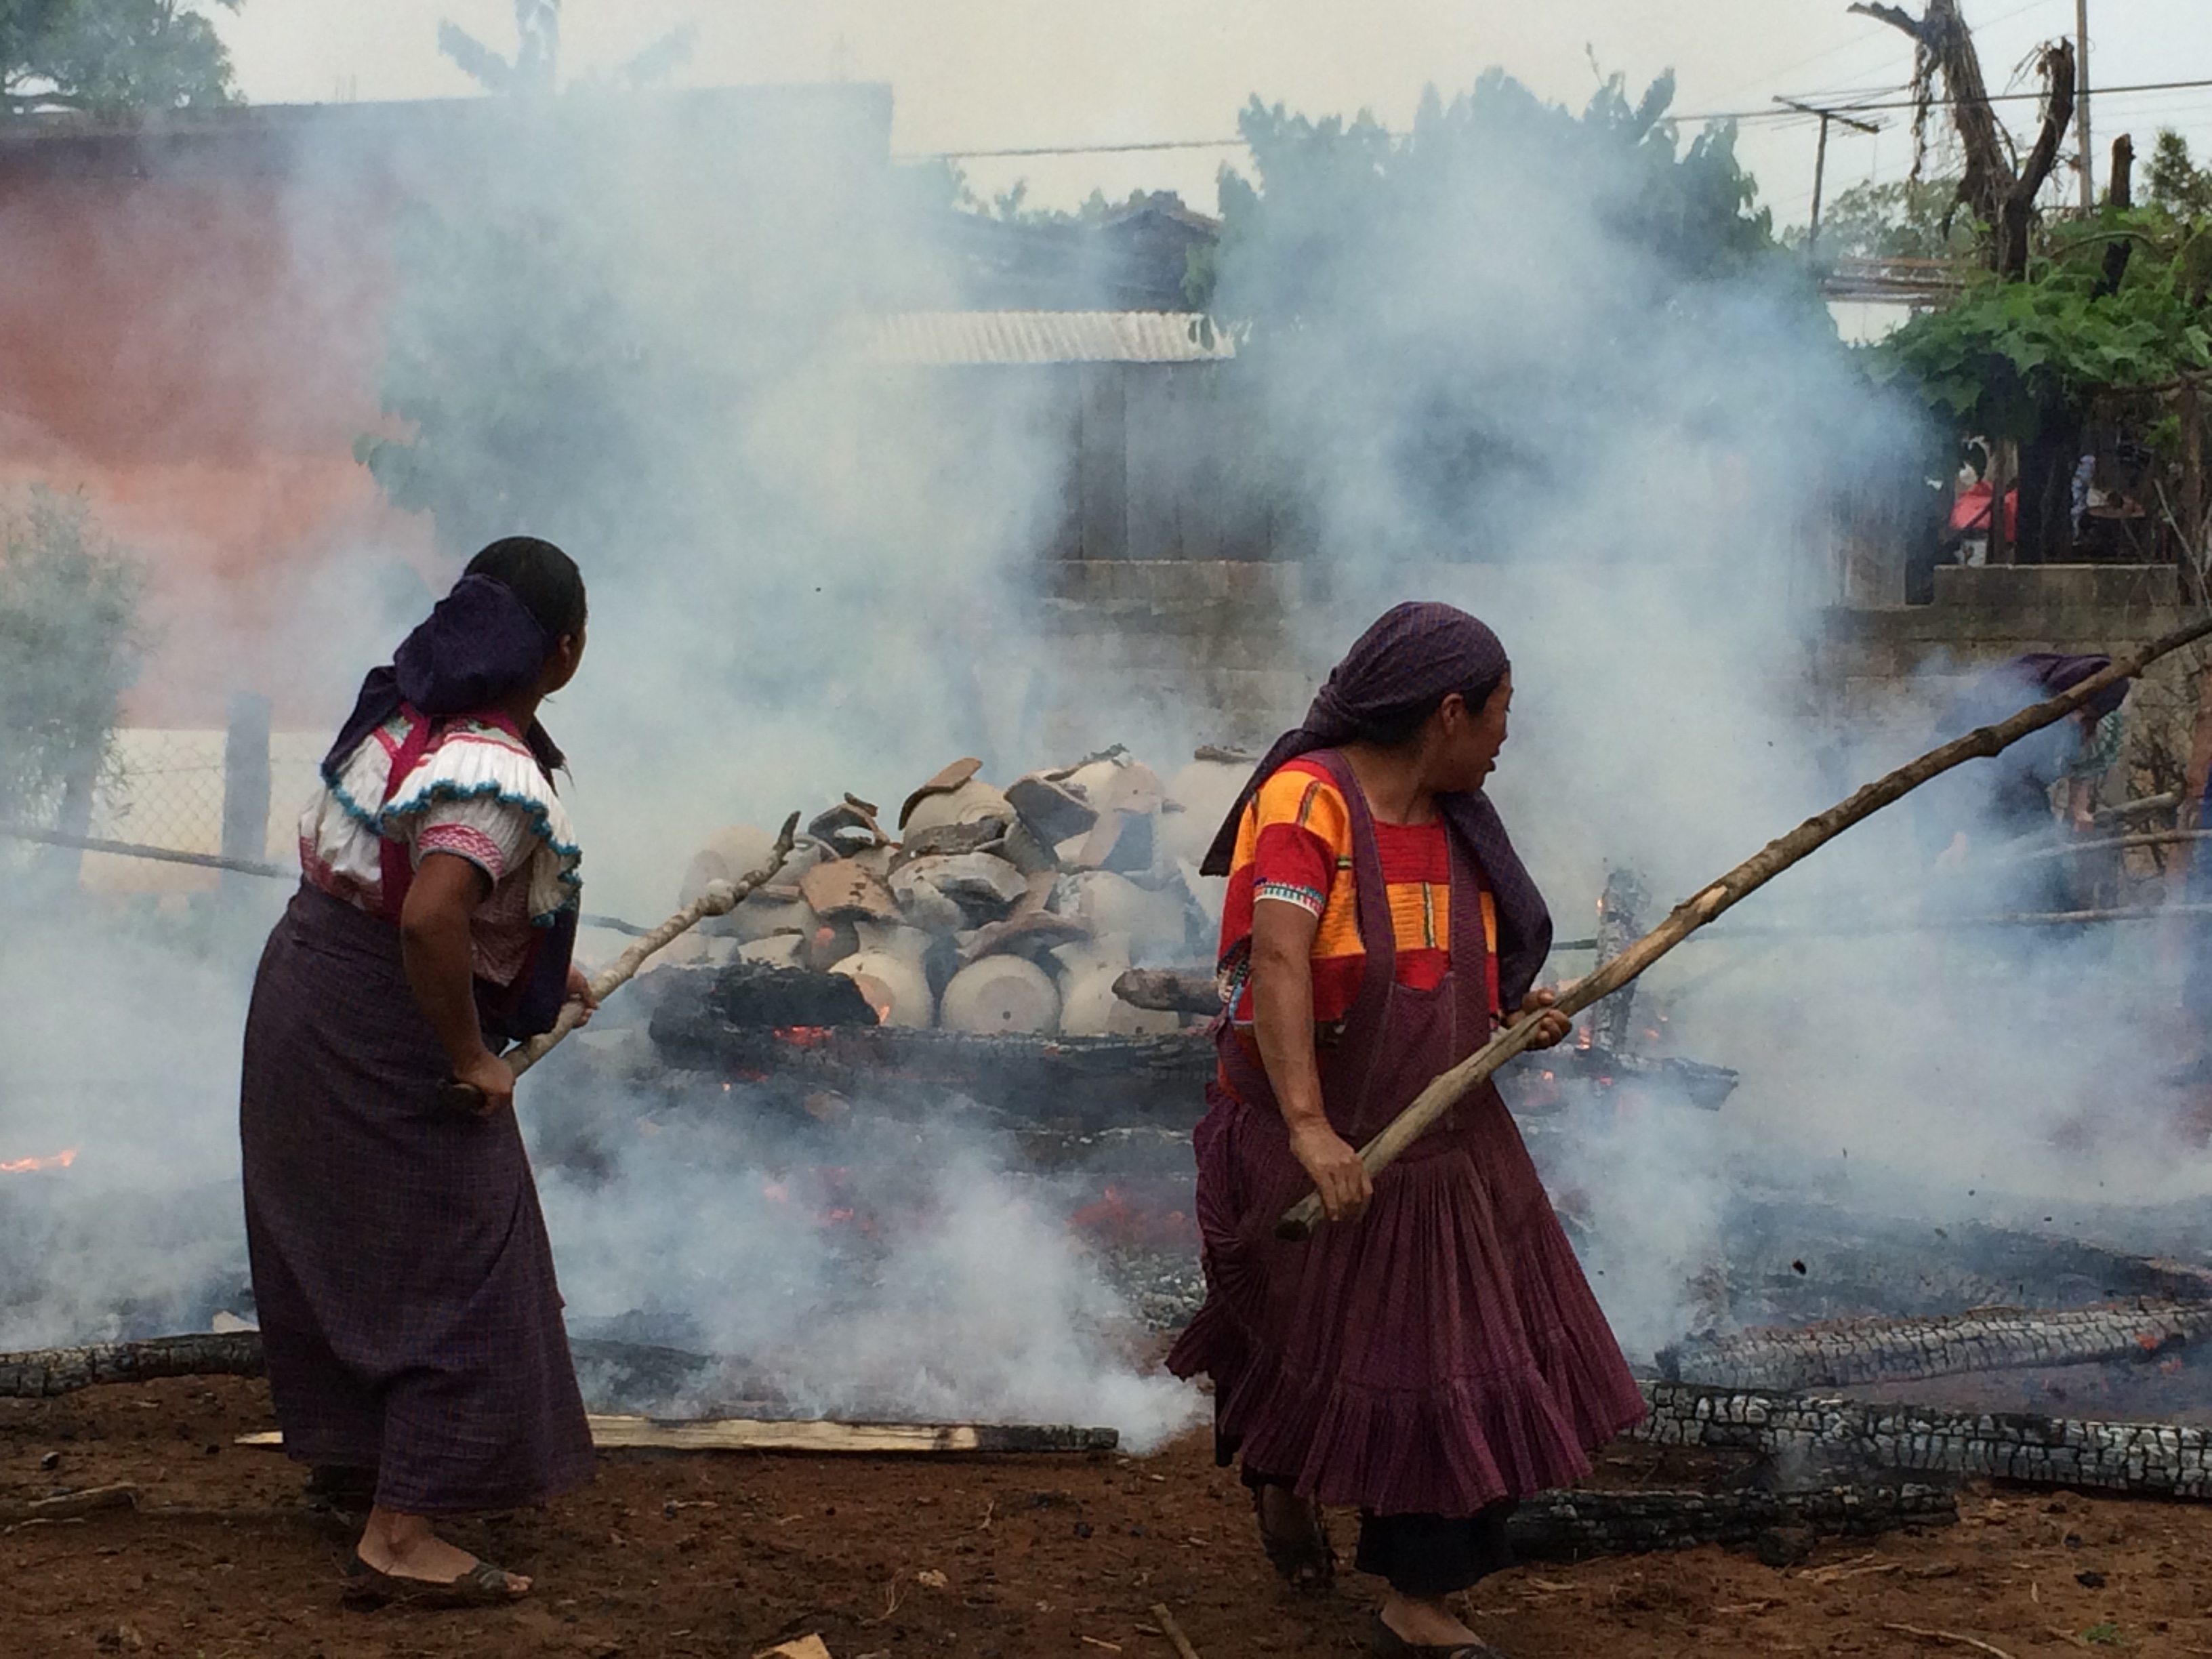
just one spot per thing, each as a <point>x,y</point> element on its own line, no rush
<point>1394,728</point>
<point>542,576</point>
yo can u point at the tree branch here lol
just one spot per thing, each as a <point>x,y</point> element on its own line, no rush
<point>1892,16</point>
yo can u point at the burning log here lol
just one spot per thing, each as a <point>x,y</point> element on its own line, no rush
<point>1826,1432</point>
<point>43,1373</point>
<point>1843,1352</point>
<point>818,1435</point>
<point>1739,884</point>
<point>1571,1526</point>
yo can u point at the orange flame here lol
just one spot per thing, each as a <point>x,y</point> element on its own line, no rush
<point>60,1160</point>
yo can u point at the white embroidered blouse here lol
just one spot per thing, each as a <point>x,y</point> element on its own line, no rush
<point>478,792</point>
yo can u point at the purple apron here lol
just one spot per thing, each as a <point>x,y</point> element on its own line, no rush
<point>1444,1351</point>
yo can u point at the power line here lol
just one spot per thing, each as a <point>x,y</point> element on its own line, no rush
<point>1943,103</point>
<point>1881,102</point>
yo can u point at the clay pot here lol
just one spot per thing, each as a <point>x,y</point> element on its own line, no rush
<point>1204,791</point>
<point>894,986</point>
<point>971,802</point>
<point>1001,996</point>
<point>1088,1006</point>
<point>1114,904</point>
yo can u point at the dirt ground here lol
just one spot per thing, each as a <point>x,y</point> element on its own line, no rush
<point>994,1556</point>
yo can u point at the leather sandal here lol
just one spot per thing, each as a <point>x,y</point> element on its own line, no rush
<point>1306,1562</point>
<point>482,1585</point>
<point>1387,1644</point>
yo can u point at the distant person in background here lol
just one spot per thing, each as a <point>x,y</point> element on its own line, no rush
<point>1993,808</point>
<point>408,1314</point>
<point>1433,1354</point>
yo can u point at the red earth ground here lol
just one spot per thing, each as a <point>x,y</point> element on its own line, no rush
<point>996,1556</point>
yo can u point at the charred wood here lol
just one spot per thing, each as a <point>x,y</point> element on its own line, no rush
<point>1842,1353</point>
<point>1034,1078</point>
<point>1830,1435</point>
<point>42,1373</point>
<point>2120,199</point>
<point>1169,991</point>
<point>750,1434</point>
<point>1571,1526</point>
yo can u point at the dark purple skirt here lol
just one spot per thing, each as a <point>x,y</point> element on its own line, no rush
<point>1441,1353</point>
<point>401,1269</point>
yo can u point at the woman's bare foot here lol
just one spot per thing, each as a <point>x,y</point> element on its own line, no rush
<point>1423,1622</point>
<point>406,1546</point>
<point>1296,1543</point>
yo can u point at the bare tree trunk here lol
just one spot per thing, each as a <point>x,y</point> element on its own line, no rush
<point>2116,251</point>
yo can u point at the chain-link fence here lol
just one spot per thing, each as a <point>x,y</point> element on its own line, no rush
<point>166,789</point>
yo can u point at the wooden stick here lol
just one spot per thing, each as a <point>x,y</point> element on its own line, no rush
<point>1950,1640</point>
<point>819,1436</point>
<point>2104,843</point>
<point>1433,1102</point>
<point>719,900</point>
<point>71,1505</point>
<point>1173,1631</point>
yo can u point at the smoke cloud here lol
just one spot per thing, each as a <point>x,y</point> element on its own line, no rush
<point>812,572</point>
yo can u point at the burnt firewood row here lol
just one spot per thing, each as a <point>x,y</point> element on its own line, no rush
<point>1571,1526</point>
<point>43,1373</point>
<point>1839,1353</point>
<point>1836,1436</point>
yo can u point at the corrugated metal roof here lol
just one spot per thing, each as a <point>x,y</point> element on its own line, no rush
<point>955,338</point>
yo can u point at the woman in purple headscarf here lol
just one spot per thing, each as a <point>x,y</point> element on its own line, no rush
<point>1967,817</point>
<point>1434,1353</point>
<point>409,1313</point>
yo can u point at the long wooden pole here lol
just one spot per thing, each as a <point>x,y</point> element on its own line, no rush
<point>719,900</point>
<point>1433,1102</point>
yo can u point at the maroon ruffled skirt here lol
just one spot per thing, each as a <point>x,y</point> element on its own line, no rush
<point>1441,1353</point>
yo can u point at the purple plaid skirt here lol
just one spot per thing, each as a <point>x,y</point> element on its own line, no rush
<point>401,1270</point>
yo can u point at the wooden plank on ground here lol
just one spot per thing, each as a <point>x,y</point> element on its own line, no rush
<point>778,1435</point>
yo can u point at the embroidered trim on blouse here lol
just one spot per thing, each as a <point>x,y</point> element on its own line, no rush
<point>1290,893</point>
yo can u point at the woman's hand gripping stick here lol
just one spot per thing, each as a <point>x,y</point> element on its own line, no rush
<point>719,900</point>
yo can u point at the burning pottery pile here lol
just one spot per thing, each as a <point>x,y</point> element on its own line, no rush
<point>990,912</point>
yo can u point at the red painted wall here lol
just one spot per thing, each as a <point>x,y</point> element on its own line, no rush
<point>190,335</point>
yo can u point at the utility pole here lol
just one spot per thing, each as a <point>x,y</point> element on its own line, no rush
<point>2081,105</point>
<point>1820,161</point>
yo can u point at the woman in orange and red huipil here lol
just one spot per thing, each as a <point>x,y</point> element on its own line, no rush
<point>1434,1354</point>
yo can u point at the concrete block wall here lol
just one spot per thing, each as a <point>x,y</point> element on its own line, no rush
<point>1898,665</point>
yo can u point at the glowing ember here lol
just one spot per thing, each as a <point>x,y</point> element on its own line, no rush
<point>60,1160</point>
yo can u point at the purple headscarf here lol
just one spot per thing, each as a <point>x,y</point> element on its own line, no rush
<point>2051,672</point>
<point>1413,656</point>
<point>478,647</point>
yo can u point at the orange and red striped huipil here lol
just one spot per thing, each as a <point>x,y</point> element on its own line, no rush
<point>1294,846</point>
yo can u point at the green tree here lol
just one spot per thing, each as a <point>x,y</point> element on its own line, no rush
<point>1904,219</point>
<point>104,56</point>
<point>69,649</point>
<point>2178,184</point>
<point>1297,230</point>
<point>537,53</point>
<point>1449,324</point>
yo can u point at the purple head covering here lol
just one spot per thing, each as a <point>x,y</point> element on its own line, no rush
<point>478,647</point>
<point>1414,655</point>
<point>2049,673</point>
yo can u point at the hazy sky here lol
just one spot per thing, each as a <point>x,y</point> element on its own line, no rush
<point>1016,73</point>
